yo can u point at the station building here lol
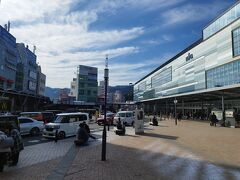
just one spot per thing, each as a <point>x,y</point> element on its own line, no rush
<point>202,77</point>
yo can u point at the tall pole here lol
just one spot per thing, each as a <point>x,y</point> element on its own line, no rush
<point>175,105</point>
<point>104,135</point>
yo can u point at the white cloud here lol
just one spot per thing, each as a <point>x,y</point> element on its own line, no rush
<point>62,36</point>
<point>191,13</point>
<point>143,5</point>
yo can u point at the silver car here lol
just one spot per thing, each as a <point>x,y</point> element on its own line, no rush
<point>30,126</point>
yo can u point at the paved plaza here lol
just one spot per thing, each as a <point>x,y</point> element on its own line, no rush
<point>190,150</point>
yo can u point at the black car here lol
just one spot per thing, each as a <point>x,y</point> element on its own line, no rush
<point>10,140</point>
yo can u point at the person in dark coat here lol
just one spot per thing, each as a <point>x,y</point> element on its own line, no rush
<point>213,120</point>
<point>82,135</point>
<point>154,121</point>
<point>86,127</point>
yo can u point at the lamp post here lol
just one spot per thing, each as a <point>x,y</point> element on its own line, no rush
<point>104,134</point>
<point>175,105</point>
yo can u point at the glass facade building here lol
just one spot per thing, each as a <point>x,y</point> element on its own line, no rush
<point>210,63</point>
<point>221,22</point>
<point>87,85</point>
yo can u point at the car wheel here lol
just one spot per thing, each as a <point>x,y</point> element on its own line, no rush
<point>1,167</point>
<point>15,159</point>
<point>61,135</point>
<point>35,131</point>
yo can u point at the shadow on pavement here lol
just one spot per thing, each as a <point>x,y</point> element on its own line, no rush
<point>160,136</point>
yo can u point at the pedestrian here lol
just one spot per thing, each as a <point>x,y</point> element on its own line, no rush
<point>82,136</point>
<point>56,136</point>
<point>154,121</point>
<point>214,119</point>
<point>86,127</point>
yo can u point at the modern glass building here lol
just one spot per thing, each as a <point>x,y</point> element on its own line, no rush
<point>87,85</point>
<point>8,59</point>
<point>204,76</point>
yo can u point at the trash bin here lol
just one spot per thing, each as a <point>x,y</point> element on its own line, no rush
<point>139,121</point>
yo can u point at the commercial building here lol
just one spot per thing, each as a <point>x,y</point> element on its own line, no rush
<point>87,85</point>
<point>202,77</point>
<point>27,60</point>
<point>41,82</point>
<point>73,89</point>
<point>8,58</point>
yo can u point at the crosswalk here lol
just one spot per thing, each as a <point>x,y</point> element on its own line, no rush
<point>173,162</point>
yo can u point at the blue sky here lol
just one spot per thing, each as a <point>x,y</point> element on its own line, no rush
<point>138,35</point>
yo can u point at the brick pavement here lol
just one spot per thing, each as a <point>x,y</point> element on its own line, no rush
<point>164,152</point>
<point>191,150</point>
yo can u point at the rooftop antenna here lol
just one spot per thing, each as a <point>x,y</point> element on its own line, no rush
<point>34,49</point>
<point>8,25</point>
<point>106,61</point>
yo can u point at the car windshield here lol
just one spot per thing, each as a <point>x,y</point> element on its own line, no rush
<point>58,119</point>
<point>62,119</point>
<point>120,115</point>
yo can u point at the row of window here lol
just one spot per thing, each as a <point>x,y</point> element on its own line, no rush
<point>87,92</point>
<point>162,78</point>
<point>227,74</point>
<point>223,21</point>
<point>224,75</point>
<point>82,85</point>
<point>9,85</point>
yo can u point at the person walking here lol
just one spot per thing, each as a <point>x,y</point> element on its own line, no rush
<point>214,119</point>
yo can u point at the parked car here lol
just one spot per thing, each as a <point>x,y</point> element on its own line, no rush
<point>65,124</point>
<point>10,141</point>
<point>109,119</point>
<point>127,117</point>
<point>30,126</point>
<point>46,117</point>
<point>55,112</point>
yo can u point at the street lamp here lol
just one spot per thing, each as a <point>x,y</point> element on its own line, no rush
<point>104,134</point>
<point>175,105</point>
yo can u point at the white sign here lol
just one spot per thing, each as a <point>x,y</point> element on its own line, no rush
<point>32,75</point>
<point>32,85</point>
<point>229,114</point>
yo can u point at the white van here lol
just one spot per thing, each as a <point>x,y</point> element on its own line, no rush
<point>126,117</point>
<point>66,124</point>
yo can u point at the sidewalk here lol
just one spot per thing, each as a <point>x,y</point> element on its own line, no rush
<point>190,150</point>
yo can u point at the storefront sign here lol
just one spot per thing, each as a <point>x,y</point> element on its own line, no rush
<point>229,114</point>
<point>189,57</point>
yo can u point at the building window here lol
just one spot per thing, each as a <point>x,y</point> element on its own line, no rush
<point>81,92</point>
<point>89,92</point>
<point>236,41</point>
<point>142,86</point>
<point>227,74</point>
<point>161,78</point>
<point>1,84</point>
<point>224,20</point>
<point>9,85</point>
<point>81,85</point>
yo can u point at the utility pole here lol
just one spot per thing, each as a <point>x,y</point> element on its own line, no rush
<point>104,134</point>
